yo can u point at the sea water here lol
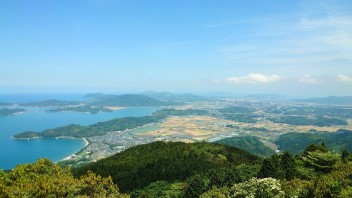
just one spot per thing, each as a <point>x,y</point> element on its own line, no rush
<point>13,152</point>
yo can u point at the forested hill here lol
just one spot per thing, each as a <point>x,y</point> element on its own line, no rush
<point>139,166</point>
<point>248,143</point>
<point>188,170</point>
<point>296,142</point>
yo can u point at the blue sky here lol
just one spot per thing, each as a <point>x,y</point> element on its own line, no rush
<point>296,48</point>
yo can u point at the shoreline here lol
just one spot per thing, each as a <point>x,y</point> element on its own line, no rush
<point>30,138</point>
<point>86,143</point>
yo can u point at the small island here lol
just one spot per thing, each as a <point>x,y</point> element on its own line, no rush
<point>6,111</point>
<point>82,108</point>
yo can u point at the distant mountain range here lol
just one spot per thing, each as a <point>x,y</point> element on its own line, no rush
<point>126,100</point>
<point>97,99</point>
<point>331,100</point>
<point>167,96</point>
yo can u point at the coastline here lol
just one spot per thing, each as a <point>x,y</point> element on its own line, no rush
<point>86,143</point>
<point>30,138</point>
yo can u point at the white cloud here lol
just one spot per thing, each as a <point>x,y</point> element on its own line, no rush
<point>254,78</point>
<point>344,78</point>
<point>308,79</point>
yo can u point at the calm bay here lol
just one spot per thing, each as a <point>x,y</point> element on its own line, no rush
<point>15,152</point>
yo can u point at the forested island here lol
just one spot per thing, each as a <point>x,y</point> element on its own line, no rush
<point>6,111</point>
<point>82,108</point>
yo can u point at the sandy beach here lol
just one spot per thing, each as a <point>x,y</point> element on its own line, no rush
<point>86,143</point>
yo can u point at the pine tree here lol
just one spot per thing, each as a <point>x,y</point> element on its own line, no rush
<point>267,169</point>
<point>345,155</point>
<point>289,165</point>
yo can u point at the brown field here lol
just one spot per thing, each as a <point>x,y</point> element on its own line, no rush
<point>199,127</point>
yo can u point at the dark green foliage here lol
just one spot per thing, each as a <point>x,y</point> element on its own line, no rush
<point>196,185</point>
<point>288,165</point>
<point>232,175</point>
<point>316,147</point>
<point>217,176</point>
<point>279,166</point>
<point>296,142</point>
<point>160,189</point>
<point>118,124</point>
<point>345,155</point>
<point>223,176</point>
<point>316,121</point>
<point>246,171</point>
<point>5,111</point>
<point>319,158</point>
<point>139,166</point>
<point>177,169</point>
<point>267,170</point>
<point>249,143</point>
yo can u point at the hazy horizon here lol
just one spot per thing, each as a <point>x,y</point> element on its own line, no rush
<point>291,48</point>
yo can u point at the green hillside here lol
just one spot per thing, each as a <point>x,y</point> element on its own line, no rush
<point>296,142</point>
<point>139,166</point>
<point>248,143</point>
<point>181,170</point>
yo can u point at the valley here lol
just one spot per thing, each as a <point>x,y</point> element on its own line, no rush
<point>222,119</point>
